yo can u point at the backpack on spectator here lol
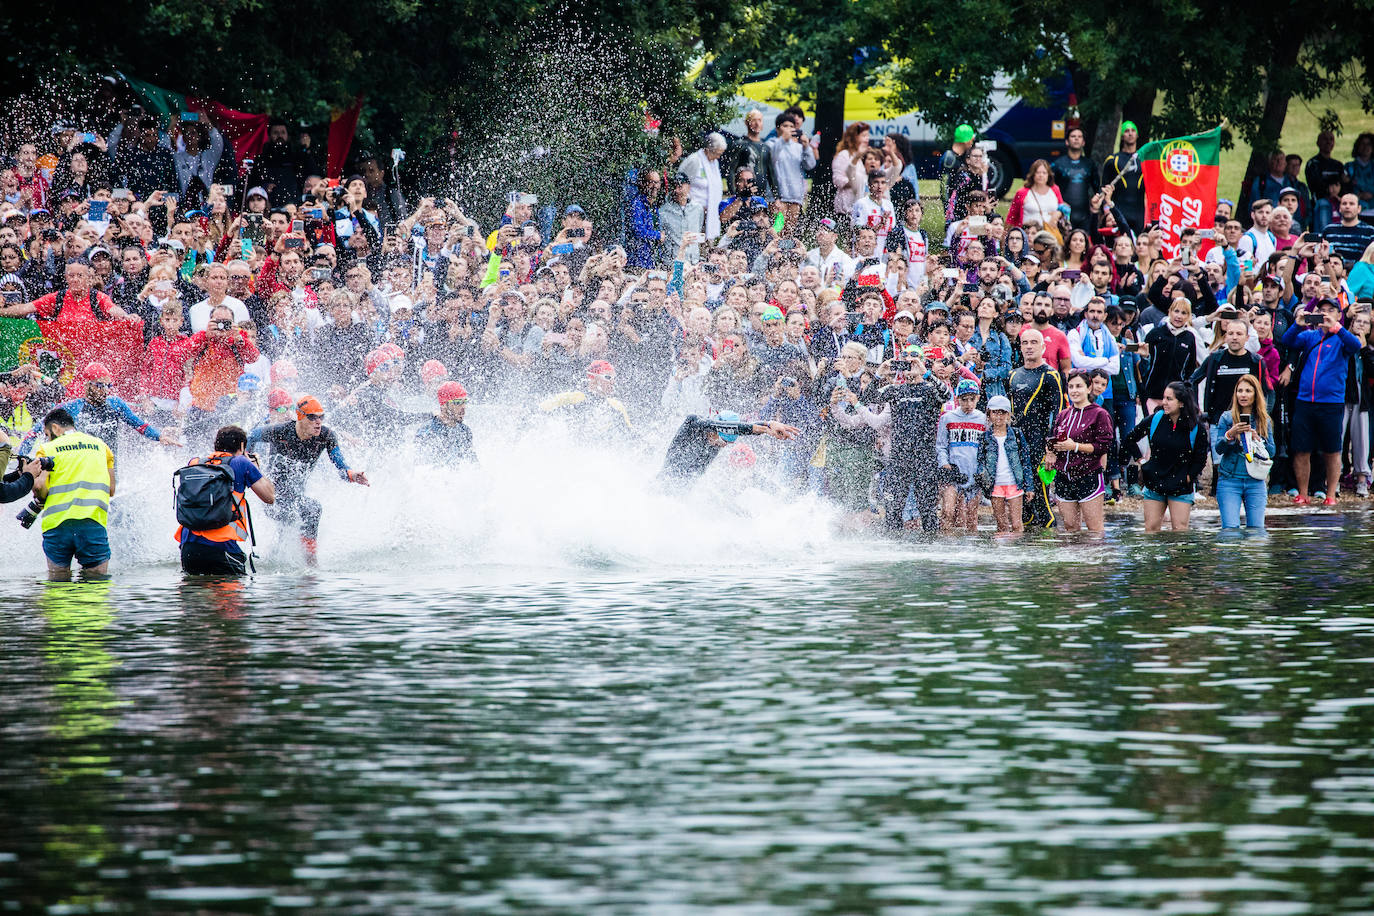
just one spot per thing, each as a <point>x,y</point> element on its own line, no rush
<point>96,309</point>
<point>1154,425</point>
<point>203,494</point>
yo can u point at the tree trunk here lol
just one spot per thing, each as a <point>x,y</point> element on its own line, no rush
<point>1139,109</point>
<point>1103,142</point>
<point>829,122</point>
<point>1276,99</point>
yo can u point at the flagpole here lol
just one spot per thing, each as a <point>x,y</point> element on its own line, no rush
<point>1121,173</point>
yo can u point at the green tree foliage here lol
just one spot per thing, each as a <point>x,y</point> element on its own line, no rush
<point>452,81</point>
<point>1200,62</point>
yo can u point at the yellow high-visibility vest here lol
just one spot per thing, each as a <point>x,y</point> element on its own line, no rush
<point>79,483</point>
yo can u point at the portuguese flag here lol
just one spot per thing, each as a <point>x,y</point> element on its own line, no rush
<point>1181,183</point>
<point>62,349</point>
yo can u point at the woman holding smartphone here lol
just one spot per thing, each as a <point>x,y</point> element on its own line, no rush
<point>1242,432</point>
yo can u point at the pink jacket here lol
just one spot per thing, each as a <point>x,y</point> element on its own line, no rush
<point>1016,213</point>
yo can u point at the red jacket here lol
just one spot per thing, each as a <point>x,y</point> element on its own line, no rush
<point>162,374</point>
<point>1016,212</point>
<point>215,365</point>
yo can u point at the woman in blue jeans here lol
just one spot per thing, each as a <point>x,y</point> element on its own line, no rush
<point>1235,486</point>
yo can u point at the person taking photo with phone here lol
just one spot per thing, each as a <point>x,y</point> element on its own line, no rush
<point>1245,441</point>
<point>1323,348</point>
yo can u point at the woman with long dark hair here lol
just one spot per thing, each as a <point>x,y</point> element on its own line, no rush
<point>1178,452</point>
<point>905,186</point>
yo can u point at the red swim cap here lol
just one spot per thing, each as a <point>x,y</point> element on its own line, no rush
<point>602,370</point>
<point>431,370</point>
<point>282,369</point>
<point>452,391</point>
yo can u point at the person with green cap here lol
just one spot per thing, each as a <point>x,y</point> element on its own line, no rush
<point>953,159</point>
<point>773,350</point>
<point>1129,196</point>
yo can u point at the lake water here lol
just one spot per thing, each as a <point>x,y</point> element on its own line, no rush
<point>776,722</point>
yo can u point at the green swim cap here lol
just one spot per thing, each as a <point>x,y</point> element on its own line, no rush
<point>963,134</point>
<point>771,313</point>
<point>1129,125</point>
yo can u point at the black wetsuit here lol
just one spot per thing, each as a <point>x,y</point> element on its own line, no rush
<point>373,410</point>
<point>292,460</point>
<point>690,453</point>
<point>445,442</point>
<point>1037,395</point>
<point>915,408</point>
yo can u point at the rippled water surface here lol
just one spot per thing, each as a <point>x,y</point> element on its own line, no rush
<point>1169,725</point>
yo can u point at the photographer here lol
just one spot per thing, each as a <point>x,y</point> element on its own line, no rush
<point>217,357</point>
<point>746,198</point>
<point>18,483</point>
<point>910,407</point>
<point>748,232</point>
<point>1324,348</point>
<point>80,484</point>
<point>216,551</point>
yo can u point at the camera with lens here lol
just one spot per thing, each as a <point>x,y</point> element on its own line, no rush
<point>47,464</point>
<point>29,514</point>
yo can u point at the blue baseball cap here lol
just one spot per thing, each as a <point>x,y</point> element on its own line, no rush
<point>966,386</point>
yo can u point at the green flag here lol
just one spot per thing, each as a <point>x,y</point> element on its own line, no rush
<point>14,332</point>
<point>156,99</point>
<point>493,270</point>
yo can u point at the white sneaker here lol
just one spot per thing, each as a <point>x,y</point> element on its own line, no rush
<point>1362,488</point>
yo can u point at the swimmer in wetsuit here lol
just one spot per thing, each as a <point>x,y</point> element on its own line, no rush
<point>296,446</point>
<point>100,414</point>
<point>698,441</point>
<point>599,411</point>
<point>446,438</point>
<point>370,408</point>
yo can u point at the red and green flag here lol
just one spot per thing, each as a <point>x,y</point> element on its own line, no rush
<point>1181,183</point>
<point>60,350</point>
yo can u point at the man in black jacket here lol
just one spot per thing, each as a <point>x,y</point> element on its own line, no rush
<point>1221,370</point>
<point>280,168</point>
<point>391,206</point>
<point>18,483</point>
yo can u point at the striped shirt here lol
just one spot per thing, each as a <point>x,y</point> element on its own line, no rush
<point>1349,241</point>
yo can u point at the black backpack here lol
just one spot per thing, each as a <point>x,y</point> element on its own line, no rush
<point>203,494</point>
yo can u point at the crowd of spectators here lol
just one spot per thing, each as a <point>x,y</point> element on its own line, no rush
<point>1045,358</point>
